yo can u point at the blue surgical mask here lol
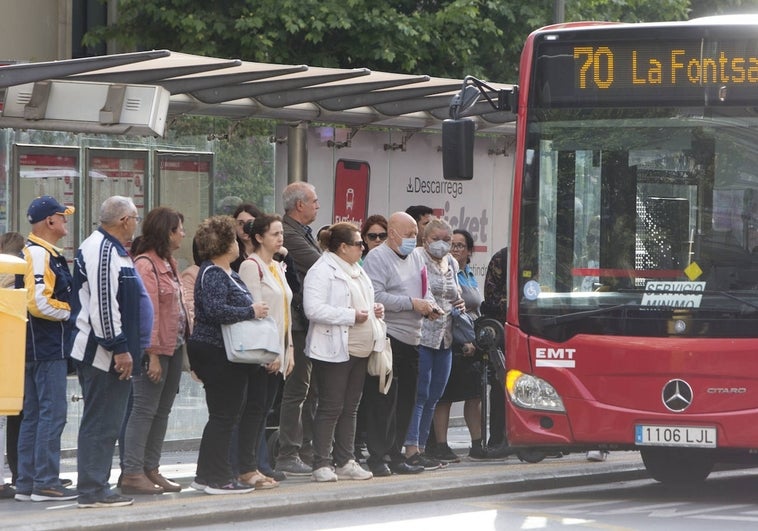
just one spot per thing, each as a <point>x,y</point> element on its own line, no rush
<point>407,246</point>
<point>439,248</point>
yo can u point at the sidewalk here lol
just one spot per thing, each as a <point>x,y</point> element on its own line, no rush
<point>301,496</point>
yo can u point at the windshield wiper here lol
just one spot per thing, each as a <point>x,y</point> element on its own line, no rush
<point>733,297</point>
<point>576,316</point>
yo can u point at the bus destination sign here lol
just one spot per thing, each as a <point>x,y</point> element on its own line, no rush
<point>640,72</point>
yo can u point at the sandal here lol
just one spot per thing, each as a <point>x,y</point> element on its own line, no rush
<point>259,481</point>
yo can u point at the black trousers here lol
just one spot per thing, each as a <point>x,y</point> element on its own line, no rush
<point>235,394</point>
<point>388,416</point>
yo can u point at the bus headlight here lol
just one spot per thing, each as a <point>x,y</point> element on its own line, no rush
<point>530,392</point>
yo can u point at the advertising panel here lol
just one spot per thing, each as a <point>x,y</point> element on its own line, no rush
<point>351,180</point>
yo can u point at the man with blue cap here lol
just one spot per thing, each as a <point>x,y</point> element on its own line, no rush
<point>48,282</point>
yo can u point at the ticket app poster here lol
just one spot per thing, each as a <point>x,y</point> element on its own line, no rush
<point>351,185</point>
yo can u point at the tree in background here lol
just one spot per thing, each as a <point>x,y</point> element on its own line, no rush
<point>243,156</point>
<point>445,38</point>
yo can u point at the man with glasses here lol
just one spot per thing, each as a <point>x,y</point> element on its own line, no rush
<point>114,319</point>
<point>48,284</point>
<point>423,215</point>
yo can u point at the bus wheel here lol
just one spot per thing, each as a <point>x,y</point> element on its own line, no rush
<point>528,455</point>
<point>677,465</point>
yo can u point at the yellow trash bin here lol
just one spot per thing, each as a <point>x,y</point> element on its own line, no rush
<point>12,339</point>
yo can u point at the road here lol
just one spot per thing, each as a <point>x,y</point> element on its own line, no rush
<point>729,500</point>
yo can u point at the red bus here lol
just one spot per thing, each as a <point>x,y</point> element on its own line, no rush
<point>632,317</point>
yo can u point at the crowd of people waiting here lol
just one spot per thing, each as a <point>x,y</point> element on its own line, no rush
<point>127,321</point>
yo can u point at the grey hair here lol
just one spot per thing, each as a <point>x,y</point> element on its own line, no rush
<point>115,208</point>
<point>436,223</point>
<point>295,192</point>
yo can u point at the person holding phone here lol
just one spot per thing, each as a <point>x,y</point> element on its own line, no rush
<point>434,353</point>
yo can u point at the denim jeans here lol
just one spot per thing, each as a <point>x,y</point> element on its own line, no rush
<point>39,442</point>
<point>341,386</point>
<point>105,399</point>
<point>152,402</point>
<point>433,372</point>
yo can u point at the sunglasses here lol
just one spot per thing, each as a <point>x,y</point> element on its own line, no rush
<point>376,235</point>
<point>355,244</point>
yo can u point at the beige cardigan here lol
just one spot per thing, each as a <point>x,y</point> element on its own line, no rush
<point>264,287</point>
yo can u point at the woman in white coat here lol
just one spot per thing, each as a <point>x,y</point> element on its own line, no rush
<point>345,327</point>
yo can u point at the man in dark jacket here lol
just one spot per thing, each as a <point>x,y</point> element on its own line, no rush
<point>295,417</point>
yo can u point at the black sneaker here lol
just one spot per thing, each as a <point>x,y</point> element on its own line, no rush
<point>7,491</point>
<point>233,487</point>
<point>423,461</point>
<point>443,452</point>
<point>477,452</point>
<point>500,452</point>
<point>54,494</point>
<point>114,500</point>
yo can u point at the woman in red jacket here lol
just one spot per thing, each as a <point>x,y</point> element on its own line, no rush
<point>155,389</point>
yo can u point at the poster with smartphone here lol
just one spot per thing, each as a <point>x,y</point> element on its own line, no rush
<point>351,180</point>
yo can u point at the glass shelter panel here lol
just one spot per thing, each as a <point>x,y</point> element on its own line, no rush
<point>47,170</point>
<point>184,183</point>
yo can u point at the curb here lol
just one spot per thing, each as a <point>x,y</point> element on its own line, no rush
<point>302,497</point>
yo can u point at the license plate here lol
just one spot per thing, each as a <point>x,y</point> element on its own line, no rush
<point>685,436</point>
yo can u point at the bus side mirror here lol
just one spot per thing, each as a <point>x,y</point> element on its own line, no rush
<point>458,150</point>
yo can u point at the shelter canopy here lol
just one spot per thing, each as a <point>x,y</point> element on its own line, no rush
<point>295,93</point>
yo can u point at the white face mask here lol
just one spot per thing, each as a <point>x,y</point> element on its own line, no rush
<point>407,246</point>
<point>439,248</point>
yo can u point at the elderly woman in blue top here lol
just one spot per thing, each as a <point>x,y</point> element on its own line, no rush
<point>221,297</point>
<point>434,353</point>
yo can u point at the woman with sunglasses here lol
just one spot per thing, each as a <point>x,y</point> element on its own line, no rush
<point>338,299</point>
<point>373,232</point>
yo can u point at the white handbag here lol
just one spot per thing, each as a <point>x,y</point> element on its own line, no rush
<point>252,341</point>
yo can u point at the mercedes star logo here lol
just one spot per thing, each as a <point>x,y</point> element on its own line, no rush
<point>677,395</point>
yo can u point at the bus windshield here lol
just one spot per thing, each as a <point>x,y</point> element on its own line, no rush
<point>637,218</point>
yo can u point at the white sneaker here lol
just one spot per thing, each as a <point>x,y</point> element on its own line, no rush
<point>324,474</point>
<point>353,470</point>
<point>597,455</point>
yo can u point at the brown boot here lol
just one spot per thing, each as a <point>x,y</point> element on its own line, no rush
<point>138,484</point>
<point>158,479</point>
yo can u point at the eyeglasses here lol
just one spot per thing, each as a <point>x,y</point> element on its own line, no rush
<point>458,246</point>
<point>138,219</point>
<point>376,235</point>
<point>355,244</point>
